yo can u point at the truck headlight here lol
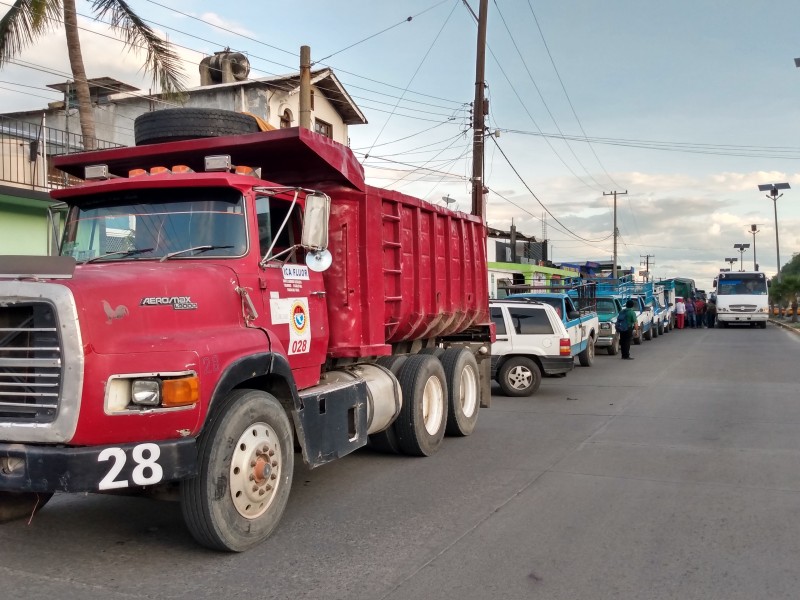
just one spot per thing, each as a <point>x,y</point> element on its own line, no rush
<point>146,392</point>
<point>132,393</point>
<point>605,325</point>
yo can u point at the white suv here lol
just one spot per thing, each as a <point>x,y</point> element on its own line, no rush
<point>531,342</point>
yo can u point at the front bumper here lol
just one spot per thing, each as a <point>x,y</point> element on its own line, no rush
<point>732,317</point>
<point>604,341</point>
<point>33,468</point>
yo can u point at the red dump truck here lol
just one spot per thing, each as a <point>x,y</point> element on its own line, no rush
<point>221,303</point>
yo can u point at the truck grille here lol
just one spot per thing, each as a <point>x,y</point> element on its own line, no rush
<point>30,363</point>
<point>743,308</point>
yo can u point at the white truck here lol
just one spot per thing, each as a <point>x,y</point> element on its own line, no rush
<point>742,298</point>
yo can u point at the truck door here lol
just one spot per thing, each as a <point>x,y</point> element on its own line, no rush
<point>293,296</point>
<point>575,328</point>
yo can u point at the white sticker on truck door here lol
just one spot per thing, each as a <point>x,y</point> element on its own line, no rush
<point>299,327</point>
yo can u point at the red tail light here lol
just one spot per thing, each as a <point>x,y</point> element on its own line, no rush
<point>564,348</point>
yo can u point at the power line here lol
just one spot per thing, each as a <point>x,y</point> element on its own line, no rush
<point>547,210</point>
<point>422,62</point>
<point>569,100</point>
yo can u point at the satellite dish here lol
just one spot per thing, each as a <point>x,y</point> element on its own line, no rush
<point>319,261</point>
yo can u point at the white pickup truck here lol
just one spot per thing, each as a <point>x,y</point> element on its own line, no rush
<point>531,342</point>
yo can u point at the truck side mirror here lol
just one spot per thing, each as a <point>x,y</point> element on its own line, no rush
<point>315,232</point>
<point>315,222</point>
<point>573,314</point>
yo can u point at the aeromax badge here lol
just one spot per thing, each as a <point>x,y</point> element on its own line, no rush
<point>176,302</point>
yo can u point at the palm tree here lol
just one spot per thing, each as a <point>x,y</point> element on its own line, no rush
<point>26,20</point>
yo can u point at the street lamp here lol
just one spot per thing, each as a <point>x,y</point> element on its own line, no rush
<point>773,195</point>
<point>754,230</point>
<point>731,260</point>
<point>741,248</point>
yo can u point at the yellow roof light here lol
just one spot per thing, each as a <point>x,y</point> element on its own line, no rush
<point>180,392</point>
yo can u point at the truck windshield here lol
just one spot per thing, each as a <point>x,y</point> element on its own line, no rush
<point>152,223</point>
<point>735,284</point>
<point>606,306</point>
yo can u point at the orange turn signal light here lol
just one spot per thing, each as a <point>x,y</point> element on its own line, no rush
<point>180,392</point>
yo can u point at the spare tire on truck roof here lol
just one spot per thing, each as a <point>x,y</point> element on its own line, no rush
<point>176,124</point>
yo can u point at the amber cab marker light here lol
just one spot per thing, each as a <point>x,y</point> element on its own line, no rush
<point>180,392</point>
<point>137,172</point>
<point>182,169</point>
<point>159,170</point>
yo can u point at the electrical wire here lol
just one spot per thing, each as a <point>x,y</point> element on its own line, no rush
<point>569,100</point>
<point>419,66</point>
<point>541,96</point>
<point>547,210</point>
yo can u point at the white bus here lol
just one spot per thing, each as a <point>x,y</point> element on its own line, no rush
<point>742,298</point>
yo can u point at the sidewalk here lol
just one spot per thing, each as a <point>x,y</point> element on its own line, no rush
<point>787,324</point>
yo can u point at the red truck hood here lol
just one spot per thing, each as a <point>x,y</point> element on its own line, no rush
<point>152,306</point>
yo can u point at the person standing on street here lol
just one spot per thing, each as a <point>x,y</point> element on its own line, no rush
<point>690,313</point>
<point>626,324</point>
<point>700,312</point>
<point>680,312</point>
<point>711,314</point>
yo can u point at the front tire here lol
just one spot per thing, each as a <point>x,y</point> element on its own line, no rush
<point>648,335</point>
<point>519,376</point>
<point>613,349</point>
<point>463,391</point>
<point>245,469</point>
<point>423,417</point>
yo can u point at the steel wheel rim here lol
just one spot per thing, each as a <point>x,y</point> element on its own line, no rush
<point>520,378</point>
<point>469,391</point>
<point>432,405</point>
<point>255,470</point>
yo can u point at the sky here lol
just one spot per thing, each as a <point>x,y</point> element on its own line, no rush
<point>687,105</point>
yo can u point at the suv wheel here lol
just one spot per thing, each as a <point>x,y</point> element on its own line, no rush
<point>519,376</point>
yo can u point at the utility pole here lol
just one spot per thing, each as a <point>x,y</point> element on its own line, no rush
<point>305,87</point>
<point>478,113</point>
<point>646,258</point>
<point>616,231</point>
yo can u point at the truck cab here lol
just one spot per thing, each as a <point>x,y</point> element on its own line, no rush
<point>608,307</point>
<point>644,320</point>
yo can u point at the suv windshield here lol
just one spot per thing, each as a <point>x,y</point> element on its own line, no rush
<point>152,223</point>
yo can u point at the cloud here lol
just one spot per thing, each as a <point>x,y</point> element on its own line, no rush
<point>215,20</point>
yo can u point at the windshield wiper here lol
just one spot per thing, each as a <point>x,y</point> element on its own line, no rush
<point>121,253</point>
<point>194,249</point>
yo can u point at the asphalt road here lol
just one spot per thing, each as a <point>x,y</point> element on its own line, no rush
<point>676,475</point>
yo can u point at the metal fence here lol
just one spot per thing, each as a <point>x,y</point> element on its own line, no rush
<point>27,150</point>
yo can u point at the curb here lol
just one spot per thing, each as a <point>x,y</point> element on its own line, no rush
<point>784,326</point>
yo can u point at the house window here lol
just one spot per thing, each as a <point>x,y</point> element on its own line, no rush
<point>286,119</point>
<point>323,128</point>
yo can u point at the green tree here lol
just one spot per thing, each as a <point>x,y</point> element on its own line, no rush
<point>791,289</point>
<point>26,20</point>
